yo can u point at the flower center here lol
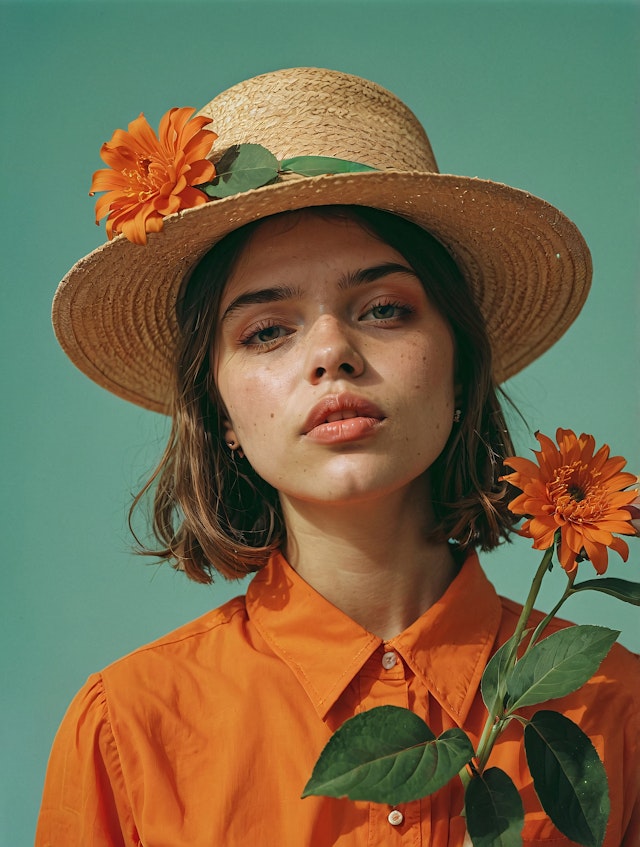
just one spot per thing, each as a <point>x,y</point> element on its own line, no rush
<point>146,178</point>
<point>576,493</point>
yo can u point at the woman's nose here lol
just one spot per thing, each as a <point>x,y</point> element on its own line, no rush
<point>331,353</point>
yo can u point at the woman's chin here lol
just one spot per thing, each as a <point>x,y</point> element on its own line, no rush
<point>357,488</point>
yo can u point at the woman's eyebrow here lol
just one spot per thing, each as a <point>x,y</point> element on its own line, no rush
<point>366,275</point>
<point>278,293</point>
<point>263,295</point>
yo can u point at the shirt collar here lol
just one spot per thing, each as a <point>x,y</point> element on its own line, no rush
<point>323,647</point>
<point>448,646</point>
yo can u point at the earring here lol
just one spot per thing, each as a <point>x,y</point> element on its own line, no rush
<point>457,416</point>
<point>235,447</point>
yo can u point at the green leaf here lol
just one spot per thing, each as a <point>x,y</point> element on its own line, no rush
<point>243,167</point>
<point>494,811</point>
<point>623,589</point>
<point>493,682</point>
<point>388,755</point>
<point>318,165</point>
<point>568,776</point>
<point>558,665</point>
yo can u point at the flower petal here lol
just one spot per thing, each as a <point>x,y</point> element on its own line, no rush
<point>151,176</point>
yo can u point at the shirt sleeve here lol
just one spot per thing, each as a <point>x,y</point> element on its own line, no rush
<point>85,800</point>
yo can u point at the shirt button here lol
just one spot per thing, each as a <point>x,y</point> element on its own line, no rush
<point>388,660</point>
<point>395,817</point>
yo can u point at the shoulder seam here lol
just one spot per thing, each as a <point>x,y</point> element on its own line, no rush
<point>222,615</point>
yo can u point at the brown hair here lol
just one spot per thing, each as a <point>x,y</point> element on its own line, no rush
<point>213,512</point>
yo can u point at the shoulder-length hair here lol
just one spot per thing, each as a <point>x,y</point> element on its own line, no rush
<point>211,510</point>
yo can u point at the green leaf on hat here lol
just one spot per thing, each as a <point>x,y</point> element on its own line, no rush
<point>558,665</point>
<point>319,165</point>
<point>623,589</point>
<point>568,777</point>
<point>243,167</point>
<point>388,755</point>
<point>494,811</point>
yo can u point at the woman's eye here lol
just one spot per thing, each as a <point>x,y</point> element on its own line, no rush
<point>386,311</point>
<point>265,335</point>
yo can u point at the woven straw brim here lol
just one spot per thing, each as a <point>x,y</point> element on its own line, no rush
<point>530,269</point>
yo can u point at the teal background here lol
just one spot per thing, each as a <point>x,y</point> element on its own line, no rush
<point>541,95</point>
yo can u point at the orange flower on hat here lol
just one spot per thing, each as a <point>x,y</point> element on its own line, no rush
<point>151,176</point>
<point>577,492</point>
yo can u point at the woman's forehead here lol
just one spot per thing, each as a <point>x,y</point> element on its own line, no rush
<point>308,239</point>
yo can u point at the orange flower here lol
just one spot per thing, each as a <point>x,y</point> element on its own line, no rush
<point>151,176</point>
<point>576,492</point>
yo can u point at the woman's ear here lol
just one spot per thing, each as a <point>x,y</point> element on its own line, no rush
<point>229,433</point>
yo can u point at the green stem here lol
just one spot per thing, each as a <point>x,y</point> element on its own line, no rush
<point>546,620</point>
<point>484,751</point>
<point>494,723</point>
<point>543,567</point>
<point>465,777</point>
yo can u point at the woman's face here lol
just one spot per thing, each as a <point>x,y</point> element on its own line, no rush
<point>336,371</point>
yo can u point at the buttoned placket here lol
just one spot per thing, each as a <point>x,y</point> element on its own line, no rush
<point>385,681</point>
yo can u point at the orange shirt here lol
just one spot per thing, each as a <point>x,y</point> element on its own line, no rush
<point>207,737</point>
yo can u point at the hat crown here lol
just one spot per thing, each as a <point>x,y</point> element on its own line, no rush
<point>317,112</point>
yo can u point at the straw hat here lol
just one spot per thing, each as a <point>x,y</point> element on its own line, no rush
<point>530,269</point>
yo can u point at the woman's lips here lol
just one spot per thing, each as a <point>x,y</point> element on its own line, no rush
<point>340,418</point>
<point>340,432</point>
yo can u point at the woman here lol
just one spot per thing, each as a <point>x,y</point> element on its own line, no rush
<point>330,368</point>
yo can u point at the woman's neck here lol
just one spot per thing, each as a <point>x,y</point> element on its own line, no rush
<point>371,559</point>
